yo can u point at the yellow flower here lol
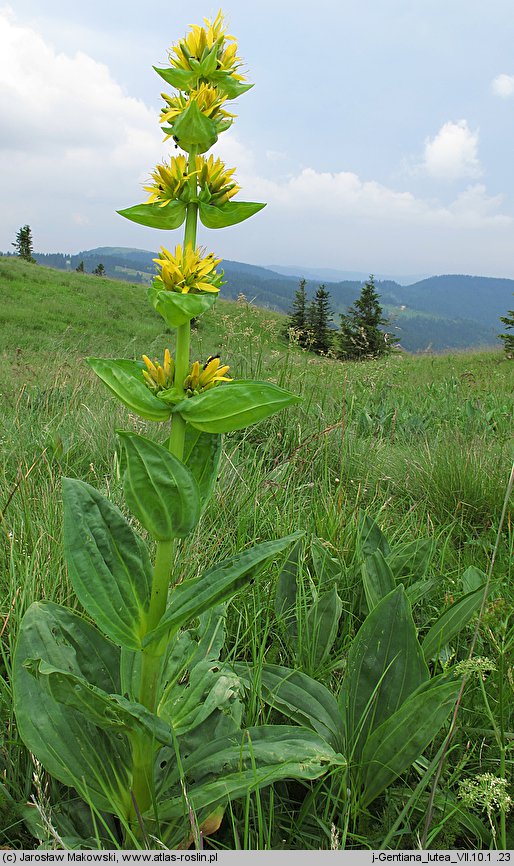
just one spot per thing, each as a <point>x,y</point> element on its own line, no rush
<point>170,182</point>
<point>159,378</point>
<point>215,181</point>
<point>201,379</point>
<point>188,270</point>
<point>207,48</point>
<point>209,101</point>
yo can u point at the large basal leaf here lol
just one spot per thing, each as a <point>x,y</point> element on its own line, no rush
<point>385,665</point>
<point>231,767</point>
<point>168,216</point>
<point>193,597</point>
<point>320,628</point>
<point>234,405</point>
<point>69,747</point>
<point>450,623</point>
<point>108,567</point>
<point>228,214</point>
<point>411,558</point>
<point>326,566</point>
<point>196,683</point>
<point>377,578</point>
<point>285,594</point>
<point>299,697</point>
<point>124,378</point>
<point>106,711</point>
<point>401,739</point>
<point>176,308</point>
<point>159,489</point>
<point>371,536</point>
<point>202,454</point>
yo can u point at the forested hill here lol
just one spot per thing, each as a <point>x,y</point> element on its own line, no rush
<point>441,312</point>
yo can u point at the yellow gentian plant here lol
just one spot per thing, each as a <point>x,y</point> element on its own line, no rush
<point>129,704</point>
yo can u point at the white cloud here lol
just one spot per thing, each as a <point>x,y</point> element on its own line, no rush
<point>341,220</point>
<point>453,153</point>
<point>503,85</point>
<point>70,135</point>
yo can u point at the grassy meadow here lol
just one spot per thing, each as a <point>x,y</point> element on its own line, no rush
<point>422,445</point>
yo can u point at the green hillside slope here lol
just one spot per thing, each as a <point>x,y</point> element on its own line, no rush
<point>438,314</point>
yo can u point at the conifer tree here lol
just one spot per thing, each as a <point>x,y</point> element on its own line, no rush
<point>99,271</point>
<point>360,335</point>
<point>80,268</point>
<point>297,321</point>
<point>318,316</point>
<point>23,244</point>
<point>508,339</point>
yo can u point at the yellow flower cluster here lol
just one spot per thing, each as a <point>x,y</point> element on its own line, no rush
<point>159,378</point>
<point>200,42</point>
<point>209,102</point>
<point>188,270</point>
<point>170,182</point>
<point>215,180</point>
<point>202,378</point>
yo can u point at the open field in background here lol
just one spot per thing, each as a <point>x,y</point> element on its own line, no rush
<point>421,444</point>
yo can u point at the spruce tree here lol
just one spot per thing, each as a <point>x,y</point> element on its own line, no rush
<point>23,244</point>
<point>99,271</point>
<point>318,316</point>
<point>297,322</point>
<point>80,268</point>
<point>508,339</point>
<point>361,335</point>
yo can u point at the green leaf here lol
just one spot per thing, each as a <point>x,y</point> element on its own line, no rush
<point>401,739</point>
<point>411,558</point>
<point>106,711</point>
<point>176,308</point>
<point>385,665</point>
<point>377,578</point>
<point>193,129</point>
<point>371,536</point>
<point>228,85</point>
<point>234,405</point>
<point>159,490</point>
<point>298,697</point>
<point>192,597</point>
<point>124,378</point>
<point>231,767</point>
<point>473,578</point>
<point>108,566</point>
<point>416,591</point>
<point>168,216</point>
<point>228,214</point>
<point>320,629</point>
<point>182,79</point>
<point>285,595</point>
<point>202,454</point>
<point>327,568</point>
<point>450,623</point>
<point>69,747</point>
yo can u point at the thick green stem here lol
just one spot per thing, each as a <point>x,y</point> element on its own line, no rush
<point>178,425</point>
<point>143,747</point>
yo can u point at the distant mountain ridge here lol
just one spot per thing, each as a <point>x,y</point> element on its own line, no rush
<point>439,312</point>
